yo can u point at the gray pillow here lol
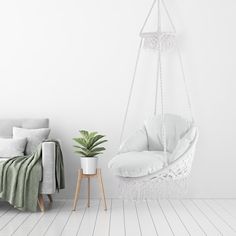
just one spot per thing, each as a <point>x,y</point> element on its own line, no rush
<point>34,137</point>
<point>12,147</point>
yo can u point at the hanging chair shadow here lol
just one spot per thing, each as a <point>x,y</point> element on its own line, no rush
<point>141,156</point>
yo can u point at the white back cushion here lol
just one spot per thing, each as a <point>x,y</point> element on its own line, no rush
<point>34,137</point>
<point>136,142</point>
<point>183,144</point>
<point>12,147</point>
<point>175,127</point>
<point>6,125</point>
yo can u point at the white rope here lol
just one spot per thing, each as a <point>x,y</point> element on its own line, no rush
<point>168,15</point>
<point>161,79</point>
<point>185,85</point>
<point>157,87</point>
<point>134,74</point>
<point>181,65</point>
<point>131,89</point>
<point>148,15</point>
<point>159,74</point>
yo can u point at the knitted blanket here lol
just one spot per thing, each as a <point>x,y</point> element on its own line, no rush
<point>20,178</point>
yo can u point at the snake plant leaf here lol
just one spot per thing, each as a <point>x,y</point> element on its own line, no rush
<point>88,143</point>
<point>94,140</point>
<point>92,134</point>
<point>92,154</point>
<point>99,149</point>
<point>76,146</point>
<point>85,134</point>
<point>85,150</point>
<point>82,153</point>
<point>98,143</point>
<point>81,141</point>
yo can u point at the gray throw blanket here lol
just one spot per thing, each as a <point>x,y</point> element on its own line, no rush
<point>20,178</point>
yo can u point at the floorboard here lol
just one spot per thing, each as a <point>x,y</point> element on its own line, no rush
<point>174,219</point>
<point>194,217</point>
<point>15,223</point>
<point>203,221</point>
<point>59,222</point>
<point>132,225</point>
<point>103,220</point>
<point>41,227</point>
<point>159,218</point>
<point>27,225</point>
<point>4,207</point>
<point>228,205</point>
<point>191,225</point>
<point>74,221</point>
<point>89,220</point>
<point>222,214</point>
<point>8,217</point>
<point>145,219</point>
<point>215,219</point>
<point>117,226</point>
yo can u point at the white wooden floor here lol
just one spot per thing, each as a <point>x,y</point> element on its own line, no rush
<point>129,218</point>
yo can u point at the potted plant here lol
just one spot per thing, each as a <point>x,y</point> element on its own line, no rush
<point>88,146</point>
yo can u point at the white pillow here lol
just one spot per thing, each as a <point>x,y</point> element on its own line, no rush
<point>175,127</point>
<point>183,144</point>
<point>137,142</point>
<point>12,147</point>
<point>34,137</point>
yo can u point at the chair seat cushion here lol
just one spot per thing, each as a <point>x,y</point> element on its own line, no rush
<point>137,164</point>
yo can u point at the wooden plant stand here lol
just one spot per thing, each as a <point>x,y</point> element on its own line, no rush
<point>79,179</point>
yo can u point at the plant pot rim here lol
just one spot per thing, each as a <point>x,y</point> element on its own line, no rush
<point>89,157</point>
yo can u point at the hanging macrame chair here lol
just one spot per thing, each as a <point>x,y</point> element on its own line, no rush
<point>162,150</point>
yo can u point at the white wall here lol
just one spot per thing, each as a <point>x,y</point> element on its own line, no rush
<point>72,61</point>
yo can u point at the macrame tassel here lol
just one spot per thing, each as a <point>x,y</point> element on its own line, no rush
<point>151,40</point>
<point>140,190</point>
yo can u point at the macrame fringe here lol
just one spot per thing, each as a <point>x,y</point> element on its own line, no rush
<point>141,190</point>
<point>151,40</point>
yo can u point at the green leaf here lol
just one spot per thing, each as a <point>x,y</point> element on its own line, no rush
<point>98,143</point>
<point>94,140</point>
<point>76,146</point>
<point>82,148</point>
<point>99,149</point>
<point>88,143</point>
<point>80,152</point>
<point>92,134</point>
<point>85,149</point>
<point>84,133</point>
<point>92,154</point>
<point>81,141</point>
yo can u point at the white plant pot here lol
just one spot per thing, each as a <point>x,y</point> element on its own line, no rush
<point>89,165</point>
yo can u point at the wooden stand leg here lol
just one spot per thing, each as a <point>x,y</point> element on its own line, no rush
<point>41,202</point>
<point>77,189</point>
<point>102,188</point>
<point>50,197</point>
<point>88,191</point>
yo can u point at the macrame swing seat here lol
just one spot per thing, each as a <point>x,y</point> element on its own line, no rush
<point>156,160</point>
